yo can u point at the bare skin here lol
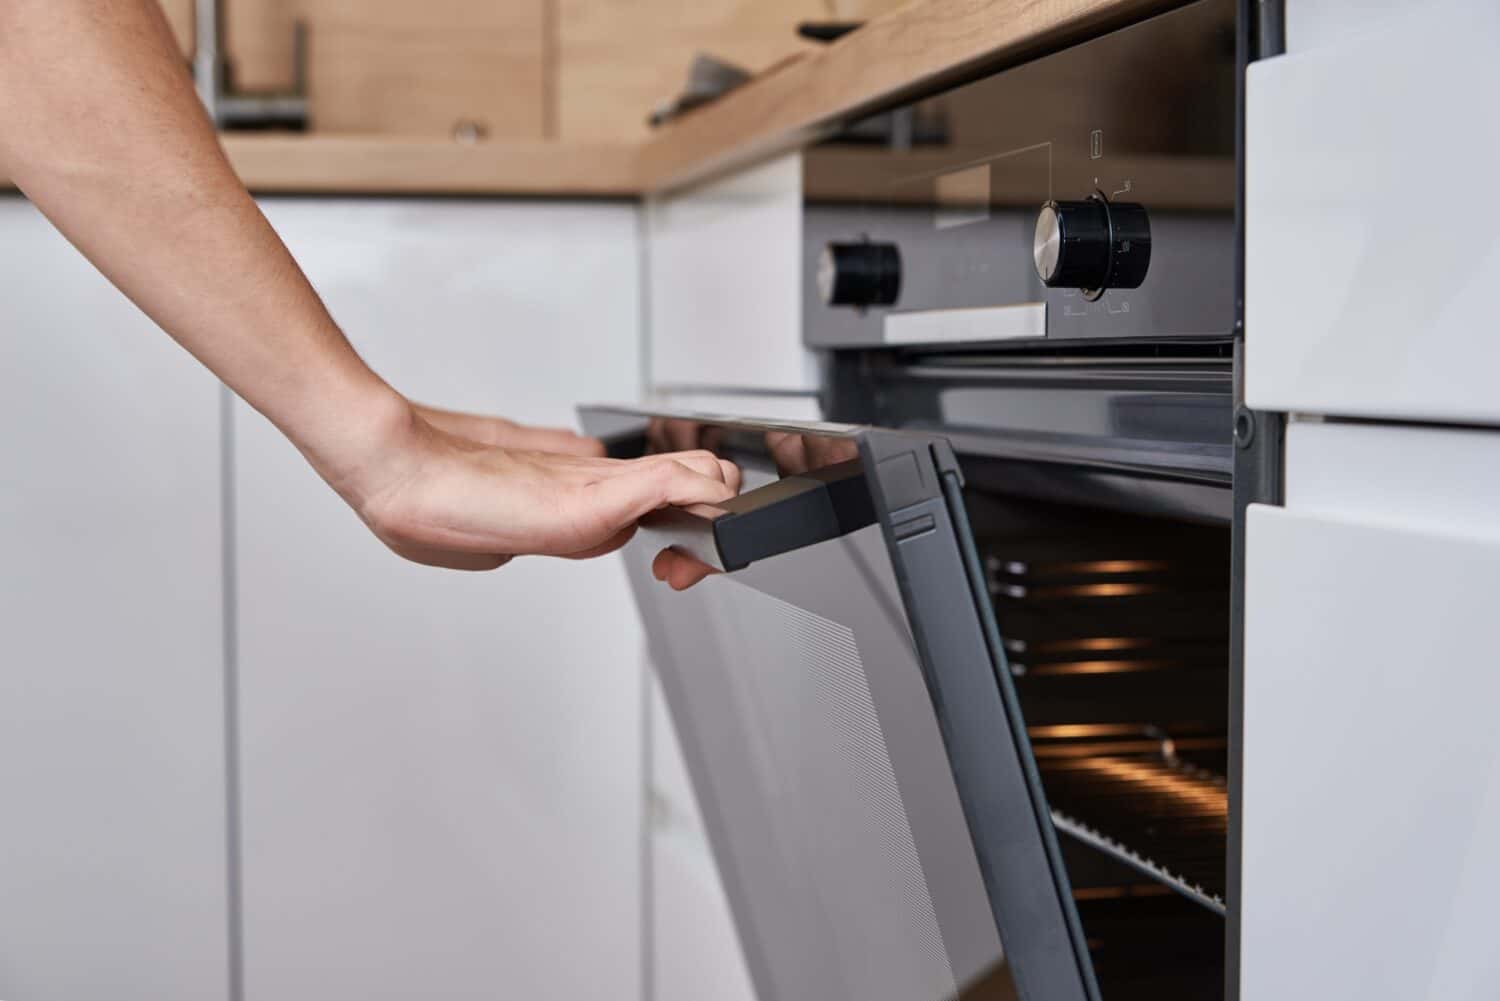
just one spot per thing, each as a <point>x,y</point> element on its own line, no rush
<point>101,128</point>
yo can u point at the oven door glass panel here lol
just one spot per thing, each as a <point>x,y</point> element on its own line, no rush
<point>878,826</point>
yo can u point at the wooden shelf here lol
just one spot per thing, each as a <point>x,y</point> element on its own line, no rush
<point>324,164</point>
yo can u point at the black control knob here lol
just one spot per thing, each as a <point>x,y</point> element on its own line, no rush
<point>860,274</point>
<point>1092,244</point>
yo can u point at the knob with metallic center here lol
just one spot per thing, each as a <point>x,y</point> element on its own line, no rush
<point>860,274</point>
<point>1092,244</point>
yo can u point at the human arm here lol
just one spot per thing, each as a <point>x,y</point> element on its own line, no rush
<point>102,130</point>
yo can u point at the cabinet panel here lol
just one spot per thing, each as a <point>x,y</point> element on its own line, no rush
<point>1371,247</point>
<point>112,838</point>
<point>388,66</point>
<point>618,59</point>
<point>1371,801</point>
<point>725,265</point>
<point>442,770</point>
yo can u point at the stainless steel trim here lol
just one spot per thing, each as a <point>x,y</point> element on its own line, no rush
<point>957,326</point>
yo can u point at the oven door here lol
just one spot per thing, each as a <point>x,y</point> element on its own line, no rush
<point>848,722</point>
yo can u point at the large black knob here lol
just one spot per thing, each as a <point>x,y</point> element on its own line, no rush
<point>1092,244</point>
<point>860,274</point>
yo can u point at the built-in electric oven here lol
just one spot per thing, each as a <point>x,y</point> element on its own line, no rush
<point>960,710</point>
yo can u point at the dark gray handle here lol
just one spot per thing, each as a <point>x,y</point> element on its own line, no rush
<point>794,512</point>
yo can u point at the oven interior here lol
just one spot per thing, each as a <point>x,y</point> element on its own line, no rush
<point>1116,630</point>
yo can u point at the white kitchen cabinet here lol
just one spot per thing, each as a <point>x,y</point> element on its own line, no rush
<point>725,280</point>
<point>1372,761</point>
<point>442,771</point>
<point>1372,245</point>
<point>1311,23</point>
<point>112,755</point>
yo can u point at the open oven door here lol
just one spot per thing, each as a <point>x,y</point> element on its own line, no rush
<point>848,721</point>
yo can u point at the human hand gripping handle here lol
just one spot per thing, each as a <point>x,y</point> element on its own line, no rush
<point>101,128</point>
<point>445,500</point>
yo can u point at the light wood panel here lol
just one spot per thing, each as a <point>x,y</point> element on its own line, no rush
<point>394,67</point>
<point>920,44</point>
<point>617,59</point>
<point>387,164</point>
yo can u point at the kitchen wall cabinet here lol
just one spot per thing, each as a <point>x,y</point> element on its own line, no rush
<point>618,59</point>
<point>394,67</point>
<point>112,751</point>
<point>441,772</point>
<point>577,70</point>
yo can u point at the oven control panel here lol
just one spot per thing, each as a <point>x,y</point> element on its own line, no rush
<point>1087,195</point>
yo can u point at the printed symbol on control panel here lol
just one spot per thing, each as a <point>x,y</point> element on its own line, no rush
<point>1128,187</point>
<point>1096,144</point>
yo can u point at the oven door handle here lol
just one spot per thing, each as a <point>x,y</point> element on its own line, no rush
<point>793,512</point>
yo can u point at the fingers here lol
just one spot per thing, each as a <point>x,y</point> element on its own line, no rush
<point>646,486</point>
<point>788,451</point>
<point>683,484</point>
<point>731,474</point>
<point>678,570</point>
<point>702,462</point>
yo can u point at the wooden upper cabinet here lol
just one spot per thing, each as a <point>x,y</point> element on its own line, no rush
<point>577,70</point>
<point>617,59</point>
<point>400,68</point>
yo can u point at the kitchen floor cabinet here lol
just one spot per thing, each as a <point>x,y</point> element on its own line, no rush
<point>1370,799</point>
<point>112,774</point>
<point>441,771</point>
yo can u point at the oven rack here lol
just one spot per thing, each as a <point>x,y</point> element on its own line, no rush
<point>1162,817</point>
<point>1147,867</point>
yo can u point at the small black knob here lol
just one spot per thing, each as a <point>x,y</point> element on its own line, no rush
<point>860,274</point>
<point>1092,244</point>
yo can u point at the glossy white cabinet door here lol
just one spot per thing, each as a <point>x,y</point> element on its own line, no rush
<point>112,803</point>
<point>442,770</point>
<point>1372,237</point>
<point>725,263</point>
<point>1372,757</point>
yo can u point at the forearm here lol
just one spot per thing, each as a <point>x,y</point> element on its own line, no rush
<point>101,128</point>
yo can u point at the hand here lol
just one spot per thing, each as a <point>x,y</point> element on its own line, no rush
<point>792,453</point>
<point>500,432</point>
<point>442,499</point>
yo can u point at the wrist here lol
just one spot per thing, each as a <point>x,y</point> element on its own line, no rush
<point>354,434</point>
